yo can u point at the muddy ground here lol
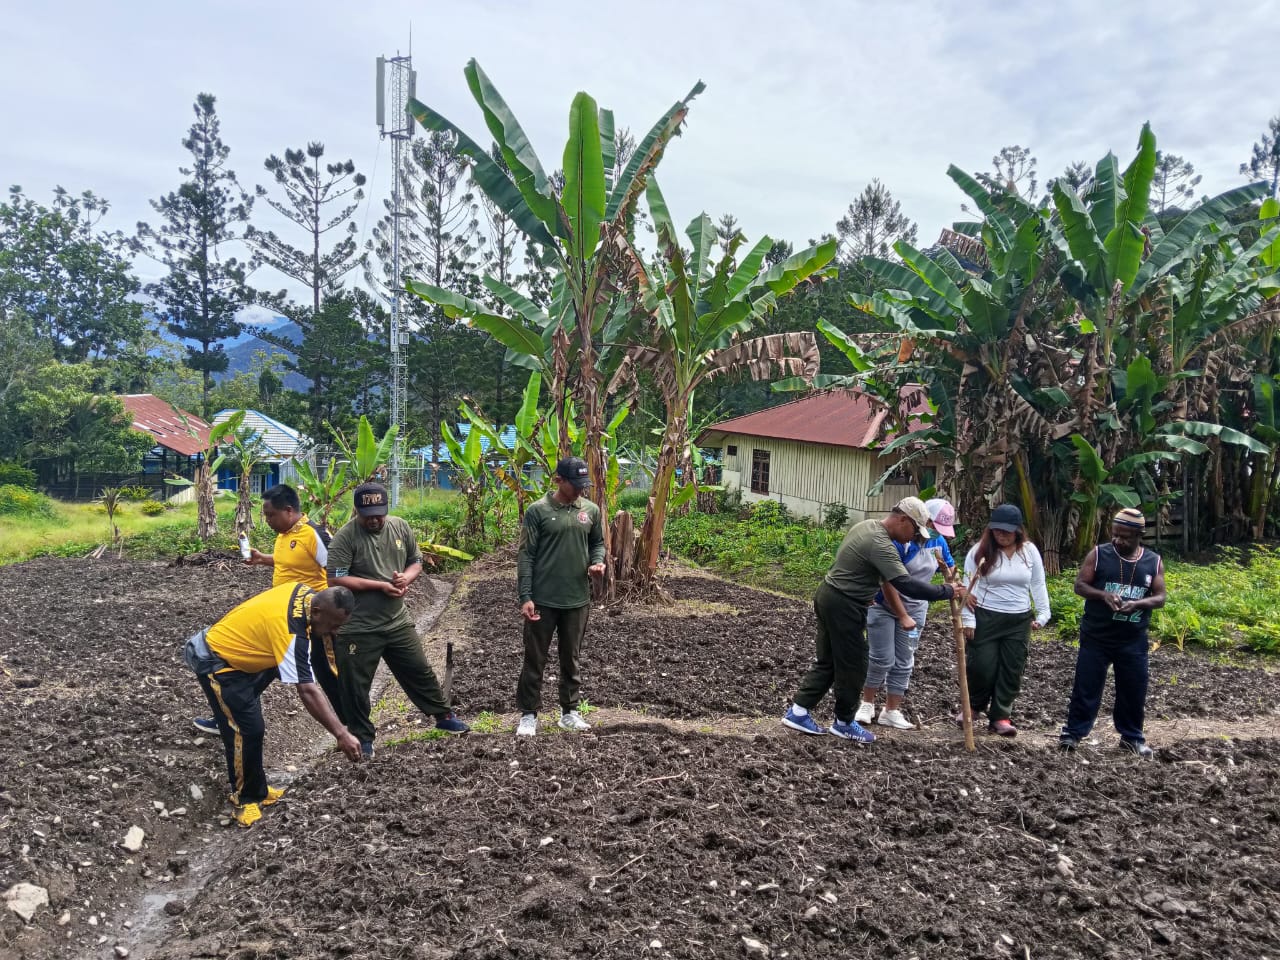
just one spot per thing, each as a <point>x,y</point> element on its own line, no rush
<point>632,841</point>
<point>646,844</point>
<point>723,649</point>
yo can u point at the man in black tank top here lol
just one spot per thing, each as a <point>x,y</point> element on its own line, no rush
<point>1121,582</point>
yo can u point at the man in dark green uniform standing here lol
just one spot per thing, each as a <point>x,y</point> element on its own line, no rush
<point>561,545</point>
<point>377,558</point>
<point>865,560</point>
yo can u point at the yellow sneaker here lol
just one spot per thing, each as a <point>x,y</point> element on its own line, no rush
<point>273,796</point>
<point>248,815</point>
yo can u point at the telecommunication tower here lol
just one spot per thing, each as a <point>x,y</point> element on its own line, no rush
<point>397,82</point>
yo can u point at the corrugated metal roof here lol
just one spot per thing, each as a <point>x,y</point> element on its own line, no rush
<point>281,441</point>
<point>160,419</point>
<point>839,418</point>
<point>461,430</point>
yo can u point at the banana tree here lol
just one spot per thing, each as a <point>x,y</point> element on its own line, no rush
<point>470,473</point>
<point>696,312</point>
<point>245,448</point>
<point>322,494</point>
<point>582,229</point>
<point>211,461</point>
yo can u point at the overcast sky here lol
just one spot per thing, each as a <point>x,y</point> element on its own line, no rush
<point>804,103</point>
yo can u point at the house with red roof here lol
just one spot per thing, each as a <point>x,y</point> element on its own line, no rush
<point>180,439</point>
<point>822,449</point>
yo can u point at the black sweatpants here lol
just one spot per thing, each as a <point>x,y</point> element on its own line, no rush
<point>324,667</point>
<point>571,626</point>
<point>841,657</point>
<point>1129,659</point>
<point>236,699</point>
<point>358,655</point>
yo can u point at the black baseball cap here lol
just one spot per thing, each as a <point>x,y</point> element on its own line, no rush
<point>1006,517</point>
<point>371,500</point>
<point>574,469</point>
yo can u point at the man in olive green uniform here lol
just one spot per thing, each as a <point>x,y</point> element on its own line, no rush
<point>561,545</point>
<point>866,559</point>
<point>377,558</point>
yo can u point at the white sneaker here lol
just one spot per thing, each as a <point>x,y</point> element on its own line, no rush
<point>896,719</point>
<point>573,721</point>
<point>528,725</point>
<point>865,712</point>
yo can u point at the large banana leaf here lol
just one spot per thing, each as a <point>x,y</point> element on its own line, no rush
<point>583,197</point>
<point>999,222</point>
<point>647,153</point>
<point>490,177</point>
<point>702,234</point>
<point>1126,243</point>
<point>537,318</point>
<point>1199,428</point>
<point>527,415</point>
<point>1091,466</point>
<point>1270,211</point>
<point>782,278</point>
<point>1105,195</point>
<point>512,334</point>
<point>1083,242</point>
<point>921,295</point>
<point>530,179</point>
<point>1181,241</point>
<point>749,268</point>
<point>935,276</point>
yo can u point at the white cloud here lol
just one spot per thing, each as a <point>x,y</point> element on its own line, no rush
<point>804,105</point>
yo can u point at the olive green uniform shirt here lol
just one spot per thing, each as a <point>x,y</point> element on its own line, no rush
<point>355,552</point>
<point>866,558</point>
<point>558,541</point>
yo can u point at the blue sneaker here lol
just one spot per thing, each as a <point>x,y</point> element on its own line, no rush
<point>206,725</point>
<point>852,731</point>
<point>449,723</point>
<point>804,724</point>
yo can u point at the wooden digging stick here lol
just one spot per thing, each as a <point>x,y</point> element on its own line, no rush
<point>966,714</point>
<point>448,673</point>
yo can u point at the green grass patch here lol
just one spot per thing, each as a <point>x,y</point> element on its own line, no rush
<point>489,722</point>
<point>73,529</point>
<point>416,735</point>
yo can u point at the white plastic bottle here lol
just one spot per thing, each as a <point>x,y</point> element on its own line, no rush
<point>244,545</point>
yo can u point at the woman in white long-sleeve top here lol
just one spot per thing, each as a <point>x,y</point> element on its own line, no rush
<point>1007,600</point>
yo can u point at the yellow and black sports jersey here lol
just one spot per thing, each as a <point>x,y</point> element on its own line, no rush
<point>266,631</point>
<point>300,555</point>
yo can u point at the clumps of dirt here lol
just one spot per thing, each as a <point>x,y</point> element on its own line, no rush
<point>720,649</point>
<point>700,658</point>
<point>96,738</point>
<point>649,844</point>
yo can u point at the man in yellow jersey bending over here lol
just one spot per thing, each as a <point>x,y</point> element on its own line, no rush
<point>266,638</point>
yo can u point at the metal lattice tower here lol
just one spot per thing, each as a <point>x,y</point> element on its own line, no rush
<point>397,81</point>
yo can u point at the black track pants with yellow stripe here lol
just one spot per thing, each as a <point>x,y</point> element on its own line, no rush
<point>237,706</point>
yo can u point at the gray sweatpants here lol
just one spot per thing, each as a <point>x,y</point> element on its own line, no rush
<point>891,654</point>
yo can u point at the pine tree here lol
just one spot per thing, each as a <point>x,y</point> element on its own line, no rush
<point>309,193</point>
<point>872,225</point>
<point>1014,170</point>
<point>726,229</point>
<point>1175,181</point>
<point>204,290</point>
<point>1264,164</point>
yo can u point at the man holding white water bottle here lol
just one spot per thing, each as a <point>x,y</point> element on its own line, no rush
<point>894,622</point>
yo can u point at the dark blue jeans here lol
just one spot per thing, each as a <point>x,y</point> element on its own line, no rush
<point>1128,658</point>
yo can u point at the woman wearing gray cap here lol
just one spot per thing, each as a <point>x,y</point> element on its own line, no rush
<point>1006,580</point>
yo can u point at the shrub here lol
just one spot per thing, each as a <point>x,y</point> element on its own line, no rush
<point>633,499</point>
<point>16,475</point>
<point>20,502</point>
<point>770,513</point>
<point>135,494</point>
<point>153,508</point>
<point>835,516</point>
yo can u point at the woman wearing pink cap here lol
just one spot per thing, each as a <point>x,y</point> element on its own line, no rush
<point>894,622</point>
